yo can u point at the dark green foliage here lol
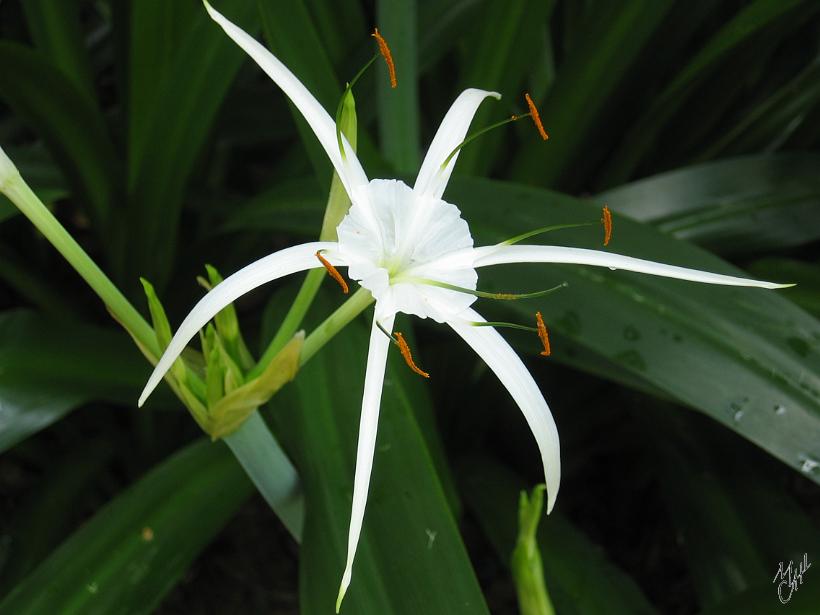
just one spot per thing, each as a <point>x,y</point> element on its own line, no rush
<point>161,148</point>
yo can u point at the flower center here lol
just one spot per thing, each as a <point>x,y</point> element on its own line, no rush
<point>404,238</point>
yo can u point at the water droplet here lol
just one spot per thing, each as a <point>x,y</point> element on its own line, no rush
<point>631,333</point>
<point>737,408</point>
<point>571,322</point>
<point>632,359</point>
<point>808,464</point>
<point>613,268</point>
<point>780,409</point>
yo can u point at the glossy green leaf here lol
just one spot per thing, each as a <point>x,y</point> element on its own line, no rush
<point>806,275</point>
<point>313,69</point>
<point>50,367</point>
<point>69,123</point>
<point>500,60</point>
<point>398,109</point>
<point>133,551</point>
<point>270,470</point>
<point>156,31</point>
<point>578,575</point>
<point>57,33</point>
<point>585,81</point>
<point>41,520</point>
<point>751,21</point>
<point>738,206</point>
<point>717,349</point>
<point>771,122</point>
<point>340,31</point>
<point>410,558</point>
<point>179,119</point>
<point>295,206</point>
<point>723,557</point>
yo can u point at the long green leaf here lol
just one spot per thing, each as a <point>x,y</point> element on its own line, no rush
<point>156,30</point>
<point>614,37</point>
<point>739,206</point>
<point>313,69</point>
<point>500,59</point>
<point>720,350</point>
<point>771,122</point>
<point>398,109</point>
<point>270,470</point>
<point>55,28</point>
<point>181,115</point>
<point>579,577</point>
<point>750,22</point>
<point>807,277</point>
<point>48,368</point>
<point>68,122</point>
<point>410,558</point>
<point>131,553</point>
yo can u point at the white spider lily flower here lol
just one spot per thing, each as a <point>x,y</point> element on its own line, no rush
<point>402,244</point>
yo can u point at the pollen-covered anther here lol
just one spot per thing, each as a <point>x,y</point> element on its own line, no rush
<point>388,57</point>
<point>536,118</point>
<point>606,220</point>
<point>542,334</point>
<point>408,357</point>
<point>333,272</point>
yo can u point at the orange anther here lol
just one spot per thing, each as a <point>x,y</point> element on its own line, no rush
<point>542,334</point>
<point>333,272</point>
<point>606,220</point>
<point>535,117</point>
<point>408,357</point>
<point>388,57</point>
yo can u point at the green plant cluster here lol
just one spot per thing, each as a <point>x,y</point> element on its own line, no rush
<point>689,414</point>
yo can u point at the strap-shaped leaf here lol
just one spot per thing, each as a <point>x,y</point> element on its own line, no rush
<point>720,350</point>
<point>133,551</point>
<point>734,207</point>
<point>410,558</point>
<point>69,123</point>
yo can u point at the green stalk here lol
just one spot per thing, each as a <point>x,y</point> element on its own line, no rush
<point>19,193</point>
<point>527,570</point>
<point>334,323</point>
<point>338,203</point>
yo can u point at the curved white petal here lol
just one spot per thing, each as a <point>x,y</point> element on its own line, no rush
<point>505,363</point>
<point>432,179</point>
<point>349,168</point>
<point>267,269</point>
<point>499,255</point>
<point>368,426</point>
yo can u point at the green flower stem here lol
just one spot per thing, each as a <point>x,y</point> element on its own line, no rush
<point>334,323</point>
<point>527,570</point>
<point>19,193</point>
<point>337,205</point>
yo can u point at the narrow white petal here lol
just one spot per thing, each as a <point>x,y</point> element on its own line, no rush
<point>267,269</point>
<point>368,426</point>
<point>349,168</point>
<point>499,255</point>
<point>505,363</point>
<point>432,180</point>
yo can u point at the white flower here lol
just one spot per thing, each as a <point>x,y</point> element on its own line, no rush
<point>394,241</point>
